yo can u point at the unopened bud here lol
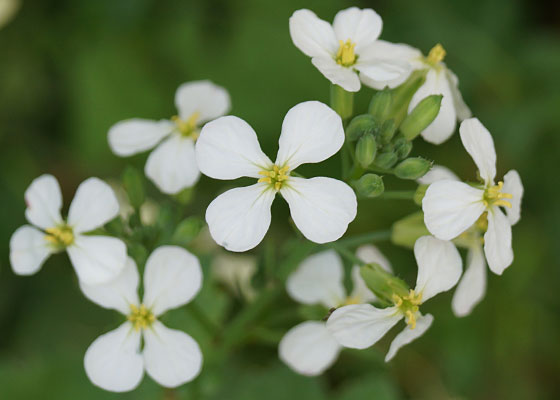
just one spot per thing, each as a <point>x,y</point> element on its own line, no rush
<point>402,147</point>
<point>134,186</point>
<point>403,94</point>
<point>382,283</point>
<point>408,230</point>
<point>370,185</point>
<point>380,105</point>
<point>419,194</point>
<point>361,125</point>
<point>421,116</point>
<point>366,148</point>
<point>412,168</point>
<point>387,131</point>
<point>386,160</point>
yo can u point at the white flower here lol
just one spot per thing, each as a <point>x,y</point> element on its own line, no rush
<point>235,271</point>
<point>321,207</point>
<point>172,165</point>
<point>309,348</point>
<point>8,9</point>
<point>347,51</point>
<point>96,259</point>
<point>451,207</point>
<point>115,361</point>
<point>361,325</point>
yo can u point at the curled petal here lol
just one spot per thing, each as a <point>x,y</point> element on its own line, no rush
<point>423,322</point>
<point>439,266</point>
<point>172,165</point>
<point>463,111</point>
<point>497,241</point>
<point>313,36</point>
<point>135,135</point>
<point>480,146</point>
<point>472,287</point>
<point>437,173</point>
<point>382,71</point>
<point>28,250</point>
<point>172,357</point>
<point>321,207</point>
<point>513,186</point>
<point>359,326</point>
<point>210,101</point>
<point>318,279</point>
<point>344,77</point>
<point>239,218</point>
<point>311,133</point>
<point>309,348</point>
<point>362,27</point>
<point>44,201</point>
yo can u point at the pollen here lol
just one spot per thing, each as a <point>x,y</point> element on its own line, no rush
<point>436,55</point>
<point>60,236</point>
<point>275,176</point>
<point>409,306</point>
<point>345,55</point>
<point>188,128</point>
<point>141,317</point>
<point>493,196</point>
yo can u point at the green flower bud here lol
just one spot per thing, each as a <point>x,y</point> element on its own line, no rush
<point>420,193</point>
<point>361,125</point>
<point>187,230</point>
<point>369,185</point>
<point>408,230</point>
<point>421,116</point>
<point>366,148</point>
<point>380,105</point>
<point>387,131</point>
<point>382,283</point>
<point>412,168</point>
<point>386,160</point>
<point>342,101</point>
<point>403,94</point>
<point>185,196</point>
<point>402,147</point>
<point>134,186</point>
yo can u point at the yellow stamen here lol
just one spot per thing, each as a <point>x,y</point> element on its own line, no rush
<point>436,55</point>
<point>60,236</point>
<point>275,176</point>
<point>409,306</point>
<point>141,317</point>
<point>188,128</point>
<point>345,55</point>
<point>493,196</point>
<point>351,300</point>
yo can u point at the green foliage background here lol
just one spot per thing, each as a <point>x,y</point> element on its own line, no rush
<point>70,69</point>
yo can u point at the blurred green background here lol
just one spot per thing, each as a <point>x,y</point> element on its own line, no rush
<point>70,69</point>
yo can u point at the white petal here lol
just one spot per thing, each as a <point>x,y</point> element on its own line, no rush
<point>423,322</point>
<point>44,201</point>
<point>497,241</point>
<point>382,71</point>
<point>172,165</point>
<point>97,259</point>
<point>28,250</point>
<point>369,254</point>
<point>318,279</point>
<point>344,77</point>
<point>94,204</point>
<point>437,173</point>
<point>209,100</point>
<point>451,207</point>
<point>311,133</point>
<point>444,124</point>
<point>118,293</point>
<point>309,348</point>
<point>439,266</point>
<point>172,278</point>
<point>172,357</point>
<point>239,218</point>
<point>321,207</point>
<point>228,148</point>
<point>113,361</point>
<point>313,36</point>
<point>513,186</point>
<point>133,136</point>
<point>462,110</point>
<point>472,287</point>
<point>362,27</point>
<point>479,144</point>
<point>361,325</point>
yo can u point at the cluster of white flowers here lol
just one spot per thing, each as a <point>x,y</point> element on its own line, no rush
<point>201,139</point>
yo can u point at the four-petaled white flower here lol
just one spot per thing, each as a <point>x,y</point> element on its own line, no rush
<point>309,348</point>
<point>452,207</point>
<point>361,325</point>
<point>172,165</point>
<point>321,207</point>
<point>472,286</point>
<point>96,259</point>
<point>115,361</point>
<point>439,80</point>
<point>347,51</point>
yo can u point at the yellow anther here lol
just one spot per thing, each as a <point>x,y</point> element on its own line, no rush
<point>409,306</point>
<point>436,55</point>
<point>275,176</point>
<point>413,298</point>
<point>60,236</point>
<point>398,300</point>
<point>188,128</point>
<point>141,317</point>
<point>351,300</point>
<point>345,55</point>
<point>410,319</point>
<point>493,196</point>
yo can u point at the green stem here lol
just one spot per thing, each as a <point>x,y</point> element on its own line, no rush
<point>379,170</point>
<point>369,237</point>
<point>344,252</point>
<point>397,195</point>
<point>342,102</point>
<point>210,326</point>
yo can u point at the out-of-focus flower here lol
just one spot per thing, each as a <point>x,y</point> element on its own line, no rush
<point>236,271</point>
<point>8,9</point>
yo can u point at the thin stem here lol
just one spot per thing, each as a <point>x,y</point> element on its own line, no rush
<point>209,325</point>
<point>344,252</point>
<point>397,195</point>
<point>379,170</point>
<point>369,237</point>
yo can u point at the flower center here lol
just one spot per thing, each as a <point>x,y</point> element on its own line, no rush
<point>275,176</point>
<point>345,55</point>
<point>60,236</point>
<point>140,317</point>
<point>436,55</point>
<point>408,305</point>
<point>493,196</point>
<point>351,300</point>
<point>189,127</point>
